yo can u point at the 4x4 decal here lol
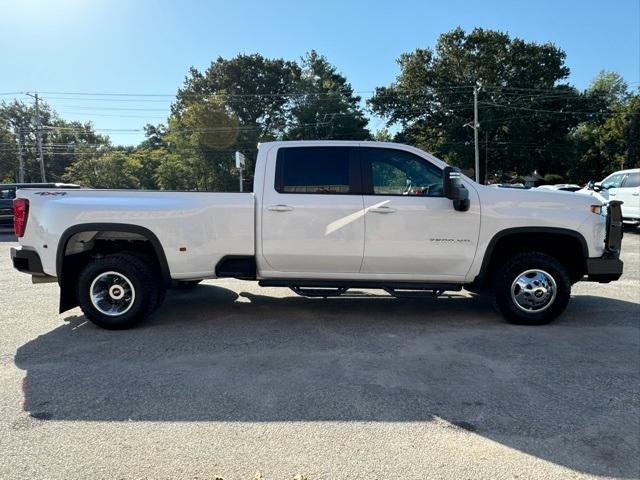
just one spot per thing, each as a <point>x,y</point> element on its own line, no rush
<point>51,194</point>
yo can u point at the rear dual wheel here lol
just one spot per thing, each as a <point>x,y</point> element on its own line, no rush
<point>118,291</point>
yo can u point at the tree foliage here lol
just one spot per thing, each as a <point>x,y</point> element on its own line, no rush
<point>63,142</point>
<point>607,143</point>
<point>432,100</point>
<point>324,106</point>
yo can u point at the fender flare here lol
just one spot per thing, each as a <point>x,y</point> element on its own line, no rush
<point>488,253</point>
<point>117,227</point>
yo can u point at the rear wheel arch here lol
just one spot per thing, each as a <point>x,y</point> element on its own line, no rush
<point>68,266</point>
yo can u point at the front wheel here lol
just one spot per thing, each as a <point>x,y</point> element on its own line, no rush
<point>532,288</point>
<point>117,291</point>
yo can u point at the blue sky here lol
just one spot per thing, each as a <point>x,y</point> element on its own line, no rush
<point>144,46</point>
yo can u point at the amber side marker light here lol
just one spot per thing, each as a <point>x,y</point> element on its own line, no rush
<point>597,209</point>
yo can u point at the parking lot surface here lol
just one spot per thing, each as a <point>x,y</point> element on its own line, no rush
<point>228,379</point>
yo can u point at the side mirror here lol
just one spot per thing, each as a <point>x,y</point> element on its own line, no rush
<point>597,187</point>
<point>454,189</point>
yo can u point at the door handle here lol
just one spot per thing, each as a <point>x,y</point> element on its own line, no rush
<point>279,208</point>
<point>612,194</point>
<point>382,210</point>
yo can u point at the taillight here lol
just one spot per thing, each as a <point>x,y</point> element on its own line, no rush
<point>20,215</point>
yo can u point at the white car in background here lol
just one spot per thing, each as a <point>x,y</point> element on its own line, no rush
<point>624,186</point>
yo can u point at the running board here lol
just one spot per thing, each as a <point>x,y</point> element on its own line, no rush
<point>413,293</point>
<point>335,288</point>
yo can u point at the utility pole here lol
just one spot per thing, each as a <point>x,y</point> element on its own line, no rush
<point>486,156</point>
<point>476,127</point>
<point>20,159</point>
<point>39,138</point>
<point>240,162</point>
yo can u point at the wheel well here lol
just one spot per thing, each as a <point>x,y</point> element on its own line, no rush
<point>79,245</point>
<point>568,249</point>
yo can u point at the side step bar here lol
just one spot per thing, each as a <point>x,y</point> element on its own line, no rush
<point>335,288</point>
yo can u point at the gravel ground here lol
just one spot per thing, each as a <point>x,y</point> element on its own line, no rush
<point>229,379</point>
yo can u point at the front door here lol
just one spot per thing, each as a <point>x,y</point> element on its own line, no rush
<point>312,212</point>
<point>412,231</point>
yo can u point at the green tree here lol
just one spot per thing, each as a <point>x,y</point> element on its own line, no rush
<point>252,89</point>
<point>205,135</point>
<point>609,140</point>
<point>113,169</point>
<point>324,106</point>
<point>525,114</point>
<point>237,103</point>
<point>61,141</point>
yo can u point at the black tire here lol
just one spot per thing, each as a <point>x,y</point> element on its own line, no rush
<point>187,284</point>
<point>162,288</point>
<point>537,305</point>
<point>137,278</point>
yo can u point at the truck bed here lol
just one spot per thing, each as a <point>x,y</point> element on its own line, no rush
<point>195,229</point>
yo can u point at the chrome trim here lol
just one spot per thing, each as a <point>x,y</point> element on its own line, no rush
<point>533,291</point>
<point>112,293</point>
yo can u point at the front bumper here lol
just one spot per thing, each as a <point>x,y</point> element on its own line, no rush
<point>604,269</point>
<point>27,261</point>
<point>609,267</point>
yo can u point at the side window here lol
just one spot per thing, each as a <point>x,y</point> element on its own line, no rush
<point>396,172</point>
<point>613,181</point>
<point>319,170</point>
<point>632,180</point>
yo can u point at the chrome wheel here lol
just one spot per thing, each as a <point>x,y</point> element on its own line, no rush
<point>112,293</point>
<point>533,291</point>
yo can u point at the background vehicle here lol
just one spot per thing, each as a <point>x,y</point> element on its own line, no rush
<point>8,193</point>
<point>325,216</point>
<point>564,187</point>
<point>623,186</point>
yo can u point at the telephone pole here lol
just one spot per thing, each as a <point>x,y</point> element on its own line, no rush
<point>39,137</point>
<point>476,127</point>
<point>20,159</point>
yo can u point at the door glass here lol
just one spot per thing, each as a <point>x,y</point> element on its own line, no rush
<point>319,170</point>
<point>612,181</point>
<point>396,172</point>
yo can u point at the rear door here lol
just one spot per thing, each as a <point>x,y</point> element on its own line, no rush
<point>412,230</point>
<point>629,194</point>
<point>312,211</point>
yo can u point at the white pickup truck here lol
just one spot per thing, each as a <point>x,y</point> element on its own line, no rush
<point>324,217</point>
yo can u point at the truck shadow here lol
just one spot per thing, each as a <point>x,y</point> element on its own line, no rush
<point>566,392</point>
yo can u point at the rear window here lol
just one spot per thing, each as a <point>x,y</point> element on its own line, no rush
<point>7,193</point>
<point>318,170</point>
<point>632,180</point>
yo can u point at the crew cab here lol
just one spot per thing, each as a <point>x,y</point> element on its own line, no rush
<point>324,217</point>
